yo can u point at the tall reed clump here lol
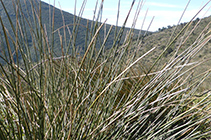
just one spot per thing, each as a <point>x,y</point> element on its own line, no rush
<point>102,94</point>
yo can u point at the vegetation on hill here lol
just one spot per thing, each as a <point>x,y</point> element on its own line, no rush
<point>134,90</point>
<point>63,20</point>
<point>195,32</point>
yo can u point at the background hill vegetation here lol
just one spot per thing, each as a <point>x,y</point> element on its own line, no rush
<point>81,29</point>
<point>196,30</point>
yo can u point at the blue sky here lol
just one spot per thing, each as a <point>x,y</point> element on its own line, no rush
<point>165,12</point>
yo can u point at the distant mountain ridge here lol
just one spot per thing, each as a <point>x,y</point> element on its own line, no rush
<point>47,19</point>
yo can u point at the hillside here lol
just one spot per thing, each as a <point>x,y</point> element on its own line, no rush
<point>192,35</point>
<point>63,21</point>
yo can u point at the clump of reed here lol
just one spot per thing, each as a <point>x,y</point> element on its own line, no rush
<point>102,94</point>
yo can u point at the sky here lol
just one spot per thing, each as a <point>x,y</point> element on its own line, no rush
<point>163,12</point>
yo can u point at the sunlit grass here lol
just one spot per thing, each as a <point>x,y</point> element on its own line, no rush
<point>102,94</point>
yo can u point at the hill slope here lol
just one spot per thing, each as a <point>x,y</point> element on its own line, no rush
<point>57,22</point>
<point>195,33</point>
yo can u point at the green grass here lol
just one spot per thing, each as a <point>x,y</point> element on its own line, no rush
<point>118,93</point>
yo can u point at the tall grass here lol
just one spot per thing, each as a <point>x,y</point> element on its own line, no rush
<point>103,94</point>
